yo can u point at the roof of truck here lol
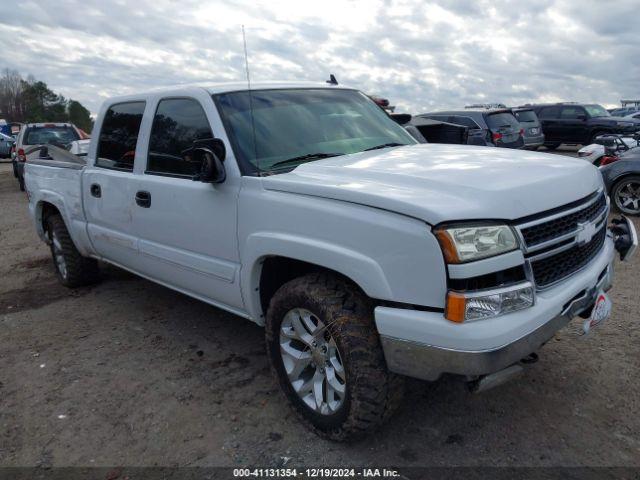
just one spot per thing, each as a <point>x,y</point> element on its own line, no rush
<point>238,86</point>
<point>213,88</point>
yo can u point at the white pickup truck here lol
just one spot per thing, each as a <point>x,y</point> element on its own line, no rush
<point>366,256</point>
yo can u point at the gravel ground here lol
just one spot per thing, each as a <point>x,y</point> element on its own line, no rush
<point>131,373</point>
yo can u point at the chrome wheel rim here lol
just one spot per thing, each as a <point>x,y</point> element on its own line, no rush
<point>628,197</point>
<point>58,256</point>
<point>312,361</point>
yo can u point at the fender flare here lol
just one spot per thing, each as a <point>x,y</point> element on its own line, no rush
<point>361,269</point>
<point>52,198</point>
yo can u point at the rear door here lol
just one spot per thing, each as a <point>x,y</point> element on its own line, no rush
<point>187,229</point>
<point>108,185</point>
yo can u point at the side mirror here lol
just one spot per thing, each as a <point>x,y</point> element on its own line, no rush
<point>211,167</point>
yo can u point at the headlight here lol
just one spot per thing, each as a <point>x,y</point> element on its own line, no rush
<point>469,306</point>
<point>465,243</point>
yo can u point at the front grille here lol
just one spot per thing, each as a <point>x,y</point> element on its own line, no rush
<point>546,231</point>
<point>556,267</point>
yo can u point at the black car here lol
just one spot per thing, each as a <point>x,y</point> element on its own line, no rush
<point>579,123</point>
<point>487,127</point>
<point>622,179</point>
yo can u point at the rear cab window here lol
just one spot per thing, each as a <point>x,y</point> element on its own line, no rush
<point>119,136</point>
<point>50,134</point>
<point>179,125</point>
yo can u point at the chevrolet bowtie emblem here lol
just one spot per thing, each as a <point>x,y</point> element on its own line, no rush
<point>586,231</point>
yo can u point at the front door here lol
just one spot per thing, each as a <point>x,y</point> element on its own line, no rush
<point>186,229</point>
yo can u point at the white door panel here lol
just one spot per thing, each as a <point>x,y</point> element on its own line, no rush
<point>110,216</point>
<point>187,236</point>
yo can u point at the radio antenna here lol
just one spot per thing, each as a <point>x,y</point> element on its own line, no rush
<point>253,123</point>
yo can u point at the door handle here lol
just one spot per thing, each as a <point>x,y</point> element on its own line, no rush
<point>143,199</point>
<point>95,190</point>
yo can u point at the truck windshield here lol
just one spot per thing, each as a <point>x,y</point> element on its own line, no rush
<point>295,126</point>
<point>596,111</point>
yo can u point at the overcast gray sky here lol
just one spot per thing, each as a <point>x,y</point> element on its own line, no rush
<point>422,55</point>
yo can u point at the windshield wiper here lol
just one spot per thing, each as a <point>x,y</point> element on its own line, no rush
<point>385,145</point>
<point>302,158</point>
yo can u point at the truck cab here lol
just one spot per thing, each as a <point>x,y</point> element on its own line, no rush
<point>366,256</point>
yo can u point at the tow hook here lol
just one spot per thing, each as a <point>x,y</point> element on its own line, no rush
<point>625,238</point>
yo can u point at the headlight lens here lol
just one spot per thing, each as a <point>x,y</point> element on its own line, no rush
<point>466,243</point>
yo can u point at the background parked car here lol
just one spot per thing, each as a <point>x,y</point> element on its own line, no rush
<point>579,123</point>
<point>6,143</point>
<point>34,135</point>
<point>533,136</point>
<point>605,145</point>
<point>622,179</point>
<point>623,112</point>
<point>487,127</point>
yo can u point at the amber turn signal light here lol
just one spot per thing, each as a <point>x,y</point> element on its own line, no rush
<point>455,308</point>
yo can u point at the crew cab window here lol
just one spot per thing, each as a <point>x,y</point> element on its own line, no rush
<point>119,135</point>
<point>571,113</point>
<point>178,123</point>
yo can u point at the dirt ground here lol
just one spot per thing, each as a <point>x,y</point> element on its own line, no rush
<point>131,373</point>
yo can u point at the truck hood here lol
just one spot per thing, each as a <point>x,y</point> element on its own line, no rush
<point>437,183</point>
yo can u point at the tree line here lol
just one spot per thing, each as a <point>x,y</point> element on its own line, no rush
<point>30,101</point>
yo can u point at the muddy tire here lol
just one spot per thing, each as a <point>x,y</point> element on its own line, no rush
<point>73,269</point>
<point>352,393</point>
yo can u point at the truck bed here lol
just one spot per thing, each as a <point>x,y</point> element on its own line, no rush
<point>54,176</point>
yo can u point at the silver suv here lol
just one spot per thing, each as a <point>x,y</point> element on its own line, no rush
<point>533,136</point>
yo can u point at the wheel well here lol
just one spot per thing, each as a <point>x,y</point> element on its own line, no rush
<point>47,209</point>
<point>276,271</point>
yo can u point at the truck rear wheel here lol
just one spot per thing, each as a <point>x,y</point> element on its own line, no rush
<point>73,269</point>
<point>326,354</point>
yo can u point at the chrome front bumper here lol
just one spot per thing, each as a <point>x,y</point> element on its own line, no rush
<point>428,362</point>
<point>406,336</point>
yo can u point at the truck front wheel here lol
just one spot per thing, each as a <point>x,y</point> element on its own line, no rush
<point>327,357</point>
<point>73,269</point>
